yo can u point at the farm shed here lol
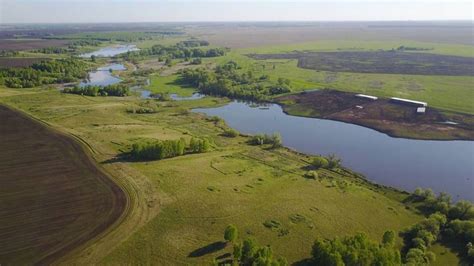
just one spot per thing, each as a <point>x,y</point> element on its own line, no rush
<point>366,96</point>
<point>407,101</point>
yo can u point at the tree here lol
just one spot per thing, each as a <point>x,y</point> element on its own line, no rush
<point>333,161</point>
<point>93,57</point>
<point>231,233</point>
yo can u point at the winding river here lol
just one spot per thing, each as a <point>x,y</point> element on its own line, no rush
<point>103,76</point>
<point>444,166</point>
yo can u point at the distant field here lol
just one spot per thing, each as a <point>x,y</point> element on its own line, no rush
<point>29,44</point>
<point>19,62</point>
<point>380,62</point>
<point>52,198</point>
<point>251,35</point>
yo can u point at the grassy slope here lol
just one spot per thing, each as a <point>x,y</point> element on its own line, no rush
<point>444,92</point>
<point>198,195</point>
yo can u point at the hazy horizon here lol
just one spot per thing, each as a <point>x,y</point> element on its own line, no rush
<point>143,11</point>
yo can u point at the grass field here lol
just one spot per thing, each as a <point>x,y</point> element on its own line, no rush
<point>183,204</point>
<point>53,198</point>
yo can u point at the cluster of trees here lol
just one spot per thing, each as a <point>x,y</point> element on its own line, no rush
<point>260,139</point>
<point>46,72</point>
<point>329,162</point>
<point>8,53</point>
<point>193,43</point>
<point>408,48</point>
<point>119,90</point>
<point>179,51</point>
<point>456,219</point>
<point>356,250</point>
<point>227,81</point>
<point>72,47</point>
<point>52,50</point>
<point>79,43</point>
<point>248,252</point>
<point>158,150</point>
<point>420,237</point>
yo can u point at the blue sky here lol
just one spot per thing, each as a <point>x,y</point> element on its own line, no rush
<point>60,11</point>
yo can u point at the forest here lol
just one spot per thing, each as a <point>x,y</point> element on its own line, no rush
<point>226,81</point>
<point>45,72</point>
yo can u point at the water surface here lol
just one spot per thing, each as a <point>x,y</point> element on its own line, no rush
<point>403,163</point>
<point>112,51</point>
<point>102,76</point>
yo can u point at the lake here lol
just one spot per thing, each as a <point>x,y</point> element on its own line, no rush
<point>112,51</point>
<point>406,164</point>
<point>102,76</point>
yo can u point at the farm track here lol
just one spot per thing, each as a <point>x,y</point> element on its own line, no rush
<point>53,197</point>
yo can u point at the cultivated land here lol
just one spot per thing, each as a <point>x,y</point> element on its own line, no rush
<point>178,208</point>
<point>53,197</point>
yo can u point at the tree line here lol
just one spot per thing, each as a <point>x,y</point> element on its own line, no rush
<point>119,90</point>
<point>45,72</point>
<point>178,51</point>
<point>158,150</point>
<point>226,80</point>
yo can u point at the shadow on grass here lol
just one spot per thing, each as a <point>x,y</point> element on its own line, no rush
<point>211,248</point>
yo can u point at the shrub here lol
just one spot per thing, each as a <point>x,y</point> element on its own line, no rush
<point>311,174</point>
<point>333,161</point>
<point>319,162</point>
<point>231,133</point>
<point>231,233</point>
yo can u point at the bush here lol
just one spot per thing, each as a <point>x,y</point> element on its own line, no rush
<point>311,174</point>
<point>231,233</point>
<point>261,139</point>
<point>320,162</point>
<point>231,133</point>
<point>333,161</point>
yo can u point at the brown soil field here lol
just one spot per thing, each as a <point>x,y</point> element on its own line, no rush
<point>53,198</point>
<point>30,44</point>
<point>394,119</point>
<point>19,61</point>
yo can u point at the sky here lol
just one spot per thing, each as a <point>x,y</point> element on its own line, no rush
<point>77,11</point>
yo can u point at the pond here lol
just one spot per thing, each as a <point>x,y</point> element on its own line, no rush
<point>102,76</point>
<point>111,51</point>
<point>446,166</point>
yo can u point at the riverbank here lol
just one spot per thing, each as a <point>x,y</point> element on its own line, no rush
<point>395,120</point>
